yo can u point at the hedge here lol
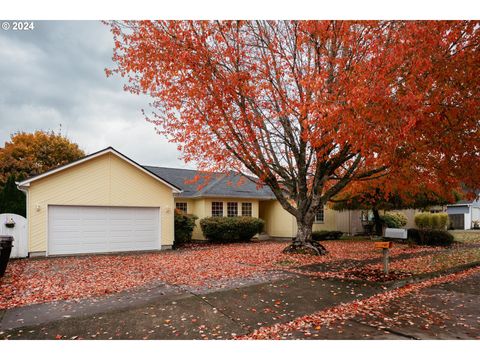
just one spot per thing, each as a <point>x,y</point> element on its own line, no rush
<point>184,224</point>
<point>231,229</point>
<point>394,220</point>
<point>438,221</point>
<point>326,235</point>
<point>430,237</point>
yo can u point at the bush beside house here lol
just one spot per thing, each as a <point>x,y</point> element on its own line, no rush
<point>12,200</point>
<point>184,224</point>
<point>326,235</point>
<point>231,229</point>
<point>394,220</point>
<point>430,237</point>
<point>438,221</point>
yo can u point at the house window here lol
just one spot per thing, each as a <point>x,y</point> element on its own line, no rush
<point>217,209</point>
<point>320,215</point>
<point>232,209</point>
<point>246,209</point>
<point>182,206</point>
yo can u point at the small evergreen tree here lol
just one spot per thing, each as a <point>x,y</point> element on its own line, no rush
<point>12,200</point>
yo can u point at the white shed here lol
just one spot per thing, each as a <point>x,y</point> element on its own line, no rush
<point>464,214</point>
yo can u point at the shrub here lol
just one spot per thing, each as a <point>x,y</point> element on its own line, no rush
<point>184,224</point>
<point>430,237</point>
<point>422,220</point>
<point>394,220</point>
<point>326,235</point>
<point>438,221</point>
<point>231,229</point>
<point>12,200</point>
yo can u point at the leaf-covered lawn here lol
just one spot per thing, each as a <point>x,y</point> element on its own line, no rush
<point>425,263</point>
<point>438,261</point>
<point>466,236</point>
<point>31,281</point>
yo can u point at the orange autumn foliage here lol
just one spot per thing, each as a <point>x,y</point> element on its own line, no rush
<point>30,154</point>
<point>312,108</point>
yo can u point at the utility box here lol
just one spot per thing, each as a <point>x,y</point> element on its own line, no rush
<point>391,233</point>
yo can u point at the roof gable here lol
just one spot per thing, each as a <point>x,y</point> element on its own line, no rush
<point>26,183</point>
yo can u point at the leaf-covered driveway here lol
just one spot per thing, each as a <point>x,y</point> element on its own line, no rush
<point>30,281</point>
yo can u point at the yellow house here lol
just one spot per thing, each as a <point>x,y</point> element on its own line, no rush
<point>106,202</point>
<point>234,195</point>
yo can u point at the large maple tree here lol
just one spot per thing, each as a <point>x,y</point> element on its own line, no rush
<point>313,107</point>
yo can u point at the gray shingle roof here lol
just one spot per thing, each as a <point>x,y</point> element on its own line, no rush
<point>211,184</point>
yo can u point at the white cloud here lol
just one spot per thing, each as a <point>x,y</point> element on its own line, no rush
<point>55,75</point>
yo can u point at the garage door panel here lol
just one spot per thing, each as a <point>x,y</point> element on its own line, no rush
<point>66,223</point>
<point>84,229</point>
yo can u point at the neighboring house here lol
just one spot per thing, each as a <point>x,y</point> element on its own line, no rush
<point>106,202</point>
<point>464,213</point>
<point>350,221</point>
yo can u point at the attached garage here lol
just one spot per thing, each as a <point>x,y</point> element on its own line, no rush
<point>102,203</point>
<point>94,229</point>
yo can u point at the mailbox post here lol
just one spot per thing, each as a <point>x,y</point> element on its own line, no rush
<point>385,246</point>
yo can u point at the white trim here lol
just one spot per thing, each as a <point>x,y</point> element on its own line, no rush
<point>315,221</point>
<point>27,182</point>
<point>47,228</point>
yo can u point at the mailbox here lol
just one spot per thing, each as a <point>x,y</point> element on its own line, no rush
<point>384,245</point>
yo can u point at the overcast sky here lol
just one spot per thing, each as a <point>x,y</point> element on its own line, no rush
<point>55,75</point>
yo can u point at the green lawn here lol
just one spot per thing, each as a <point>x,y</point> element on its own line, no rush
<point>466,236</point>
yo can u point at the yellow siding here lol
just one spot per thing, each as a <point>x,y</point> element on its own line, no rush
<point>203,208</point>
<point>104,181</point>
<point>195,207</point>
<point>280,223</point>
<point>343,221</point>
<point>329,222</point>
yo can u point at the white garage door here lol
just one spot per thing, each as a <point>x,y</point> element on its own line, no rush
<point>93,229</point>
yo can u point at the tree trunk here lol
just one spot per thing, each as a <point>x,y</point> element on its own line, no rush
<point>303,242</point>
<point>378,222</point>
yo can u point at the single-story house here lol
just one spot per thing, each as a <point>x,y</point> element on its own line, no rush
<point>464,213</point>
<point>106,202</point>
<point>233,195</point>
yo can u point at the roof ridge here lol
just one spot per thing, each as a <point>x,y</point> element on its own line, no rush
<point>182,169</point>
<point>210,185</point>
